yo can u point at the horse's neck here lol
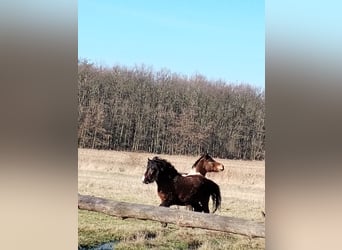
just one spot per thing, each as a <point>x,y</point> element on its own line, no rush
<point>167,180</point>
<point>200,169</point>
<point>194,172</point>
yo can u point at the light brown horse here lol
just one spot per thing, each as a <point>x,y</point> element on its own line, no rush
<point>204,165</point>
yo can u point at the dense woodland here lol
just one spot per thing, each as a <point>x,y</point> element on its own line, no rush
<point>139,109</point>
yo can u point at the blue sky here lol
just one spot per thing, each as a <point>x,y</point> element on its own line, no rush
<point>218,39</point>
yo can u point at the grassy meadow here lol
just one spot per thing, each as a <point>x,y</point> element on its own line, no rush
<point>117,175</point>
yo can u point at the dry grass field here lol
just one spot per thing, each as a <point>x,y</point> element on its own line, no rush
<point>117,175</point>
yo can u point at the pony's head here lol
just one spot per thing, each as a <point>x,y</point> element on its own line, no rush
<point>158,169</point>
<point>151,173</point>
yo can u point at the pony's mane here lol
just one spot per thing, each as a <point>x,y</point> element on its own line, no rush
<point>193,166</point>
<point>164,162</point>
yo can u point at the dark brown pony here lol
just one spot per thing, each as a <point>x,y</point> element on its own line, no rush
<point>206,164</point>
<point>175,189</point>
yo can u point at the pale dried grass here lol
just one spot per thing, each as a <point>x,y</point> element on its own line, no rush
<point>117,175</point>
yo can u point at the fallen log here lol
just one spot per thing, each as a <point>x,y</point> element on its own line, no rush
<point>173,216</point>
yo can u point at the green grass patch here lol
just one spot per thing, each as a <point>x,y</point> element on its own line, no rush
<point>96,228</point>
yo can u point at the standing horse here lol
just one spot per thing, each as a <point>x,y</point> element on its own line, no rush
<point>175,189</point>
<point>206,164</point>
<point>202,166</point>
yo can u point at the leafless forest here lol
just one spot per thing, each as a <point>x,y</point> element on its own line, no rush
<point>139,109</point>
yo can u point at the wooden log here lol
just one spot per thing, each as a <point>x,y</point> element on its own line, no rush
<point>173,216</point>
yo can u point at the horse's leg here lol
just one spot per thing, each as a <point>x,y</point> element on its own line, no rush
<point>197,207</point>
<point>206,208</point>
<point>205,205</point>
<point>189,207</point>
<point>165,203</point>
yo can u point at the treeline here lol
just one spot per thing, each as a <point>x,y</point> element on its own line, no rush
<point>138,109</point>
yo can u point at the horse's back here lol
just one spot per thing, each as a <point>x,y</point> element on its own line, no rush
<point>188,185</point>
<point>192,179</point>
<point>195,184</point>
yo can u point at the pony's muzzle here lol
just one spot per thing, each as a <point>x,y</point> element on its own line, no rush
<point>145,180</point>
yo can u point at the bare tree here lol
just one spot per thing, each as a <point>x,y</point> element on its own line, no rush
<point>138,109</point>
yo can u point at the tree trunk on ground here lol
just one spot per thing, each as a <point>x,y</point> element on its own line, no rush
<point>168,215</point>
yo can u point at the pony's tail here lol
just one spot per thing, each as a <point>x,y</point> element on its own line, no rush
<point>215,194</point>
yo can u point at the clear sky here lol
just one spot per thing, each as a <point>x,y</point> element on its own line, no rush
<point>218,39</point>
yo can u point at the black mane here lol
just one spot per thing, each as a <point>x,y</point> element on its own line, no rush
<point>166,166</point>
